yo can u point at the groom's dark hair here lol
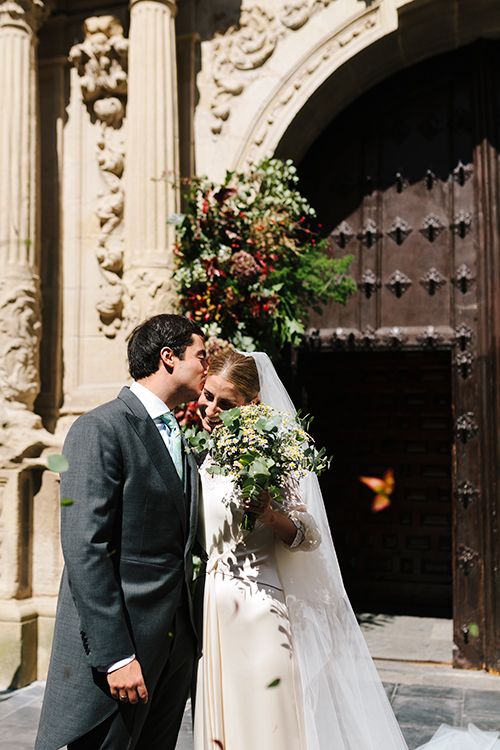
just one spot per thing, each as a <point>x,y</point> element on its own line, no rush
<point>148,339</point>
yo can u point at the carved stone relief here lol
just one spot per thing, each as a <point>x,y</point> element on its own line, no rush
<point>246,47</point>
<point>101,61</point>
<point>256,146</point>
<point>21,429</point>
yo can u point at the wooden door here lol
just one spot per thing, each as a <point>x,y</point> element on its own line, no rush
<point>374,411</point>
<point>406,181</point>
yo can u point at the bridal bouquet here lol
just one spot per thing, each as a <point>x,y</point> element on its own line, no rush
<point>264,450</point>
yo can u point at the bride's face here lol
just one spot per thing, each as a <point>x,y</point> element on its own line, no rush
<point>217,395</point>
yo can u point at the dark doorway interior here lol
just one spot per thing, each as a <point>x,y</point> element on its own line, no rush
<point>375,410</point>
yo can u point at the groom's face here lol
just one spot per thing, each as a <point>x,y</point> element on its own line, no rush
<point>191,370</point>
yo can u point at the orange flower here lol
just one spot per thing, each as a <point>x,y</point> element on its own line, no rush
<point>383,489</point>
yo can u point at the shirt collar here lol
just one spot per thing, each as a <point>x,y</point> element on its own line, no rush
<point>154,406</point>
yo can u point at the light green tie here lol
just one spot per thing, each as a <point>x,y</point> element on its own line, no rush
<point>175,439</point>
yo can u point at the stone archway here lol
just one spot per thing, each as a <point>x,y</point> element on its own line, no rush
<point>271,84</point>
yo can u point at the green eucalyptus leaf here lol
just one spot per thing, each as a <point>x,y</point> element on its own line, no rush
<point>274,683</point>
<point>57,463</point>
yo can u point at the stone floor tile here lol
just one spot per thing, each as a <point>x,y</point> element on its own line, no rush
<point>410,710</point>
<point>488,722</point>
<point>482,702</point>
<point>416,735</point>
<point>432,691</point>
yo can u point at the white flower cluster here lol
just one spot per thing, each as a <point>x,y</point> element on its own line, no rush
<point>257,431</point>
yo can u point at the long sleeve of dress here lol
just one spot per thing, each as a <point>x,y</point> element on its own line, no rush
<point>308,536</point>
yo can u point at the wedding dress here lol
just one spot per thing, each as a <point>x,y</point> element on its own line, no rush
<point>285,665</point>
<point>248,693</point>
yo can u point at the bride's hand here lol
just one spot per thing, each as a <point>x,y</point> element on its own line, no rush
<point>282,526</point>
<point>261,506</point>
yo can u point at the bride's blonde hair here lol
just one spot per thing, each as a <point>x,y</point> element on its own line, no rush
<point>241,372</point>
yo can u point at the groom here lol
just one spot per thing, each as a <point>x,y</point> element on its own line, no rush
<point>124,642</point>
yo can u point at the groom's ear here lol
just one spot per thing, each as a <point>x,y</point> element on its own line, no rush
<point>167,357</point>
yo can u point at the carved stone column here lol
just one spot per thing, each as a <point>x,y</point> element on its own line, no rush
<point>152,158</point>
<point>19,231</point>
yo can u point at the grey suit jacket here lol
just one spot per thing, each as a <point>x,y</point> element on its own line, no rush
<point>127,536</point>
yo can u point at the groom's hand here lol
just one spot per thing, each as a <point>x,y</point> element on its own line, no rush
<point>127,684</point>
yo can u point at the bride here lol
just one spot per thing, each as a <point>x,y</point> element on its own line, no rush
<point>285,665</point>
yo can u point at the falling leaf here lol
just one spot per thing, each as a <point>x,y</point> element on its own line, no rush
<point>219,744</point>
<point>274,683</point>
<point>383,489</point>
<point>474,630</point>
<point>57,462</point>
<point>170,634</point>
<point>66,501</point>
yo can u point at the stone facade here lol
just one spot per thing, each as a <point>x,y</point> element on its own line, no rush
<point>106,112</point>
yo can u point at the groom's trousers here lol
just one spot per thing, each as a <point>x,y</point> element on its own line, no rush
<point>153,725</point>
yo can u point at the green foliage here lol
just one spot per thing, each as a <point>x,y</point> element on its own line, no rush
<point>264,450</point>
<point>250,263</point>
<point>57,463</point>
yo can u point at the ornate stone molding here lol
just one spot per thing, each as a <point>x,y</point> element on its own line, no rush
<point>25,14</point>
<point>101,61</point>
<point>309,73</point>
<point>243,49</point>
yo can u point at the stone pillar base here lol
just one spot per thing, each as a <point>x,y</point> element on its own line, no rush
<point>18,643</point>
<point>46,608</point>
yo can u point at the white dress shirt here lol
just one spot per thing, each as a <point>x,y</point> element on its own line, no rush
<point>155,407</point>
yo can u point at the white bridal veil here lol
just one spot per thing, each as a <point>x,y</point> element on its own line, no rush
<point>346,707</point>
<point>345,704</point>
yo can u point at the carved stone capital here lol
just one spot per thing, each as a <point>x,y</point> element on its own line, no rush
<point>101,59</point>
<point>28,15</point>
<point>172,4</point>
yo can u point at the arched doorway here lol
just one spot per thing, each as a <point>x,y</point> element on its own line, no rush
<point>404,376</point>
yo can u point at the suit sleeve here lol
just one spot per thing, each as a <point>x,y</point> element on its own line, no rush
<point>91,492</point>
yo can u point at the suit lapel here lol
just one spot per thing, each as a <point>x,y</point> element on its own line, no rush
<point>148,433</point>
